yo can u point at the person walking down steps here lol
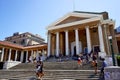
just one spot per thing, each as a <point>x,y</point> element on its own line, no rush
<point>94,63</point>
<point>39,70</point>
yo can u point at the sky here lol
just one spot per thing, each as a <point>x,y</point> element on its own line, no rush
<point>35,15</point>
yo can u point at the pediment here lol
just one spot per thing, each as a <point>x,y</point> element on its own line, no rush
<point>71,19</point>
<point>74,17</point>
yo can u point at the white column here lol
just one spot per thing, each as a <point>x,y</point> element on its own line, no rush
<point>16,55</point>
<point>106,37</point>
<point>9,57</point>
<point>31,56</point>
<point>77,41</point>
<point>66,43</point>
<point>32,53</point>
<point>26,56</point>
<point>88,39</point>
<point>100,33</point>
<point>57,44</point>
<point>43,52</point>
<point>37,55</point>
<point>22,54</point>
<point>49,44</point>
<point>2,56</point>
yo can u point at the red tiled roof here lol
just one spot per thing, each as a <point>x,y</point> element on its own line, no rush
<point>9,44</point>
<point>36,46</point>
<point>6,43</point>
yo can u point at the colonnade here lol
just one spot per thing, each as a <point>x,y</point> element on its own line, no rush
<point>24,55</point>
<point>88,39</point>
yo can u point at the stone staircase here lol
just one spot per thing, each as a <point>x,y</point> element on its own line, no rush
<point>66,70</point>
<point>49,75</point>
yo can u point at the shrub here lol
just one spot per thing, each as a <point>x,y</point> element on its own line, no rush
<point>118,57</point>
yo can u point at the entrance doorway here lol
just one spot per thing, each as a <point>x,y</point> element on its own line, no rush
<point>96,49</point>
<point>73,48</point>
<point>24,57</point>
<point>118,43</point>
<point>75,51</point>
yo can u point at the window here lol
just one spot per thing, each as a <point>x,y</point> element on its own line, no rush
<point>23,42</point>
<point>14,41</point>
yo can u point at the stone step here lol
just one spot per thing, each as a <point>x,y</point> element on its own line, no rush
<point>66,65</point>
<point>50,75</point>
<point>68,70</point>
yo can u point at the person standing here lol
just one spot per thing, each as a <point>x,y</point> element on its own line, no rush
<point>79,61</point>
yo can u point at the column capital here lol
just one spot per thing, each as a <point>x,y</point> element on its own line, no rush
<point>3,48</point>
<point>56,32</point>
<point>76,28</point>
<point>65,30</point>
<point>86,26</point>
<point>105,25</point>
<point>10,49</point>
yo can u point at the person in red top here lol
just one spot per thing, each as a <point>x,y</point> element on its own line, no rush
<point>94,62</point>
<point>79,61</point>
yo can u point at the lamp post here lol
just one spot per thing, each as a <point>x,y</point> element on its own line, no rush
<point>0,54</point>
<point>113,56</point>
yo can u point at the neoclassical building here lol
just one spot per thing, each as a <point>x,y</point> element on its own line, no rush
<point>75,33</point>
<point>18,48</point>
<point>25,39</point>
<point>79,32</point>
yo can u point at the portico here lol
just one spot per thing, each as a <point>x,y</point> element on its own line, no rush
<point>74,32</point>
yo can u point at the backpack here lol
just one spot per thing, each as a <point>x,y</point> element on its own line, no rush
<point>104,64</point>
<point>39,68</point>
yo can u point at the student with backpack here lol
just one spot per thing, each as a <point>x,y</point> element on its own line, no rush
<point>104,64</point>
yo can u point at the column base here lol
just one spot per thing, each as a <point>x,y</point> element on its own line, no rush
<point>102,54</point>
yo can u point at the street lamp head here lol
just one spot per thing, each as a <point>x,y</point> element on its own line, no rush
<point>0,51</point>
<point>109,37</point>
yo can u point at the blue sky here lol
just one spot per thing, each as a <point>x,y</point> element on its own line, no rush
<point>35,15</point>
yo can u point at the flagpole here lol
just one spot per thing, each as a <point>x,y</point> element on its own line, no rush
<point>73,5</point>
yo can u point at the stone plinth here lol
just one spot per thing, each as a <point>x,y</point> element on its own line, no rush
<point>112,73</point>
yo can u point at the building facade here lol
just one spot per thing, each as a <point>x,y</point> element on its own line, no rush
<point>77,32</point>
<point>25,39</point>
<point>20,47</point>
<point>118,41</point>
